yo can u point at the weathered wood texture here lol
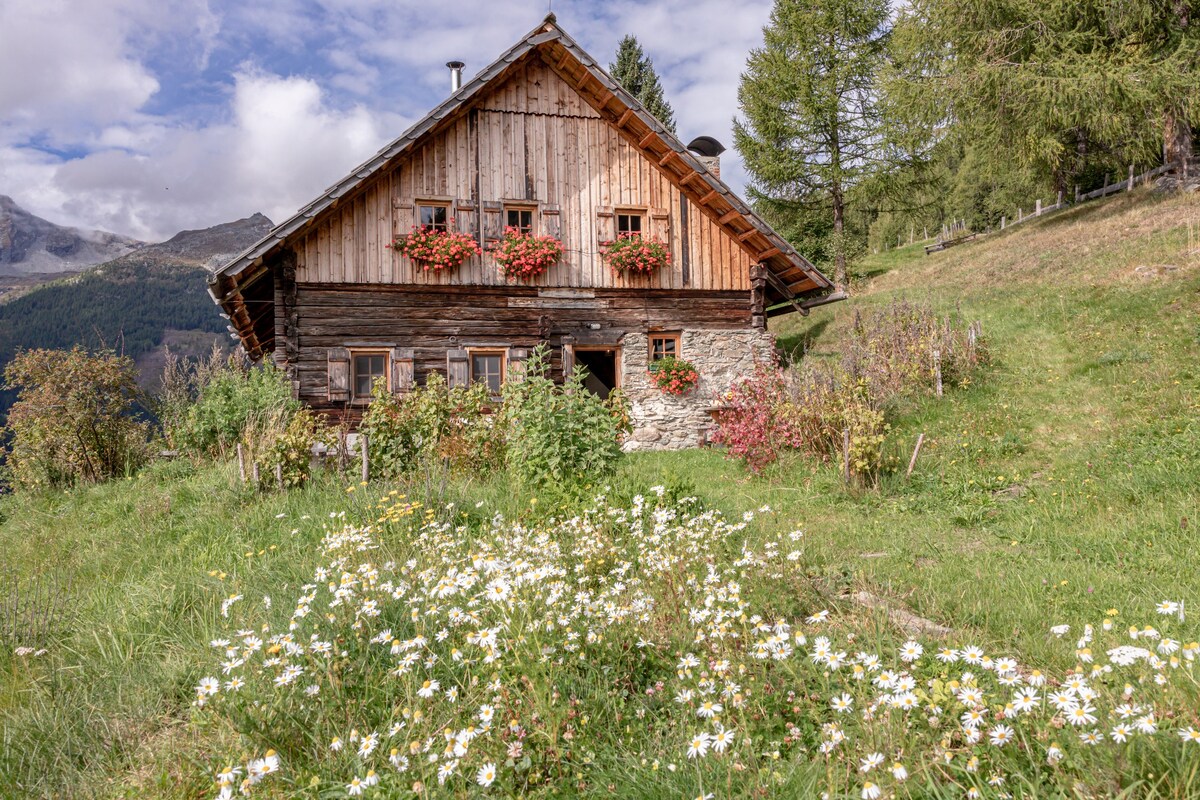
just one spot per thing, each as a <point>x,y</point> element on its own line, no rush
<point>532,140</point>
<point>431,322</point>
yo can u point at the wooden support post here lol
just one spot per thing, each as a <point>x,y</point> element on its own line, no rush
<point>1130,189</point>
<point>241,454</point>
<point>912,230</point>
<point>254,473</point>
<point>279,477</point>
<point>937,372</point>
<point>912,462</point>
<point>1077,193</point>
<point>1037,209</point>
<point>924,233</point>
<point>1020,214</point>
<point>846,454</point>
<point>366,464</point>
<point>1058,203</point>
<point>1003,220</point>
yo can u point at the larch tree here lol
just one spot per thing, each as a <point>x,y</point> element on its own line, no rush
<point>811,126</point>
<point>635,71</point>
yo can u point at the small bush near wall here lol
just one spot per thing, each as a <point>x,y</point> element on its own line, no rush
<point>74,418</point>
<point>231,401</point>
<point>888,357</point>
<point>431,429</point>
<point>559,437</point>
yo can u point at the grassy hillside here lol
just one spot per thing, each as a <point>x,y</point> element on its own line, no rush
<point>1061,485</point>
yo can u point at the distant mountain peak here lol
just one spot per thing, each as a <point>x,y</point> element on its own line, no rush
<point>204,245</point>
<point>30,244</point>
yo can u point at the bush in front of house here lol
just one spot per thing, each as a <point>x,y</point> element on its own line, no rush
<point>558,437</point>
<point>232,403</point>
<point>887,358</point>
<point>74,420</point>
<point>432,429</point>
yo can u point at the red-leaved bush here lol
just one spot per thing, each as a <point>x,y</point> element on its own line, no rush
<point>754,424</point>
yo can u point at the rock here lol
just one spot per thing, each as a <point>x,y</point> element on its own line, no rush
<point>901,617</point>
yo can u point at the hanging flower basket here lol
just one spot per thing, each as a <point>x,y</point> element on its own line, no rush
<point>436,250</point>
<point>636,254</point>
<point>525,256</point>
<point>673,375</point>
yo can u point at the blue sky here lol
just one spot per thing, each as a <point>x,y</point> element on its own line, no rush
<point>146,117</point>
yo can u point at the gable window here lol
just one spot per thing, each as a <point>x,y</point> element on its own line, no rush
<point>520,218</point>
<point>487,366</point>
<point>367,367</point>
<point>663,345</point>
<point>434,216</point>
<point>629,223</point>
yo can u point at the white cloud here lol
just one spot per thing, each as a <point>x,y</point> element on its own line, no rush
<point>145,117</point>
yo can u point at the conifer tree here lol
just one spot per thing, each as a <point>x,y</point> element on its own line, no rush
<point>635,71</point>
<point>811,126</point>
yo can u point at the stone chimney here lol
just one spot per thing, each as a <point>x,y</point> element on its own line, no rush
<point>707,151</point>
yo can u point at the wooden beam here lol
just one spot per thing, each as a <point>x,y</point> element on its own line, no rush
<point>744,236</point>
<point>624,120</point>
<point>666,159</point>
<point>774,251</point>
<point>647,139</point>
<point>708,198</point>
<point>604,98</point>
<point>562,62</point>
<point>691,176</point>
<point>729,216</point>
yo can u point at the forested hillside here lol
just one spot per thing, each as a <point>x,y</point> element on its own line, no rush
<point>128,304</point>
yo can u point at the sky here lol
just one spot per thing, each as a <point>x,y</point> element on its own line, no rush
<point>146,117</point>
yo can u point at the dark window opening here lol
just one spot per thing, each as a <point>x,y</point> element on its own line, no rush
<point>435,218</point>
<point>488,368</point>
<point>629,224</point>
<point>366,369</point>
<point>601,366</point>
<point>520,218</point>
<point>664,345</point>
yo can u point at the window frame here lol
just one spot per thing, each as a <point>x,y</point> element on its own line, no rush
<point>502,352</point>
<point>641,214</point>
<point>676,336</point>
<point>433,204</point>
<point>522,208</point>
<point>355,353</point>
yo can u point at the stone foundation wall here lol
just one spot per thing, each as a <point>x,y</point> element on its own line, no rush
<point>663,421</point>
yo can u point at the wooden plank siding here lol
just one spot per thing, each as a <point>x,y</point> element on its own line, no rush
<point>532,139</point>
<point>432,320</point>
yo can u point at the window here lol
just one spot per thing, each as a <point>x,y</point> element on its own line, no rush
<point>629,223</point>
<point>368,367</point>
<point>663,345</point>
<point>487,366</point>
<point>519,218</point>
<point>434,216</point>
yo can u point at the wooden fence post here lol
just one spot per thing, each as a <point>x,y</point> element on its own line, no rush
<point>1037,209</point>
<point>1020,214</point>
<point>937,372</point>
<point>254,473</point>
<point>366,464</point>
<point>846,454</point>
<point>912,462</point>
<point>1130,189</point>
<point>1077,193</point>
<point>1002,221</point>
<point>279,476</point>
<point>241,454</point>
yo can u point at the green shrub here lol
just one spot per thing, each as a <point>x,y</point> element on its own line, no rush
<point>231,401</point>
<point>558,436</point>
<point>432,428</point>
<point>74,417</point>
<point>289,447</point>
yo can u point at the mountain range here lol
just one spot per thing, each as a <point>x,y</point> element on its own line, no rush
<point>30,244</point>
<point>138,303</point>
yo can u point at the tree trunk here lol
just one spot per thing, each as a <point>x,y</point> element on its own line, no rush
<point>839,244</point>
<point>1177,142</point>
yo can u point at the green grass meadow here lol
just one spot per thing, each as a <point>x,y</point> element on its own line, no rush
<point>1063,482</point>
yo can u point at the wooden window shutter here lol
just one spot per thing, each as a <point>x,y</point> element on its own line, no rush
<point>403,218</point>
<point>660,225</point>
<point>552,221</point>
<point>402,370</point>
<point>339,374</point>
<point>464,218</point>
<point>517,356</point>
<point>456,368</point>
<point>493,221</point>
<point>606,224</point>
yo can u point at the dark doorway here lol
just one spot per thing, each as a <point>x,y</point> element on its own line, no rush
<point>601,366</point>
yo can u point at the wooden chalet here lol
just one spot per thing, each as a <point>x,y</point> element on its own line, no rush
<point>545,140</point>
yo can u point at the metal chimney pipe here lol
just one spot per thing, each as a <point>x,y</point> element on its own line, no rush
<point>456,68</point>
